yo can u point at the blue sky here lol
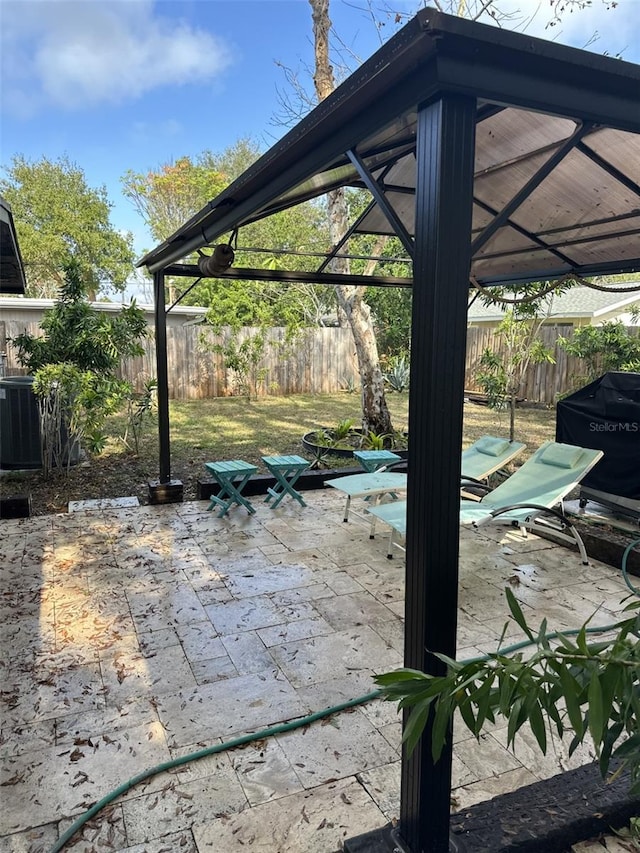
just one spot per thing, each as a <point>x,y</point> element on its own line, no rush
<point>133,84</point>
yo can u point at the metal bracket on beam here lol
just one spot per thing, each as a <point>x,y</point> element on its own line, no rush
<point>182,295</point>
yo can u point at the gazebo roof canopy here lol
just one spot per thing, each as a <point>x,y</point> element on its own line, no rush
<point>557,156</point>
<point>12,279</point>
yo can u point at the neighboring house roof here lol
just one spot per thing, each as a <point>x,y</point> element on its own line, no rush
<point>23,303</point>
<point>578,302</point>
<point>12,279</point>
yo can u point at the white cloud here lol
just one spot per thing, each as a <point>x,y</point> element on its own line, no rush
<point>79,54</point>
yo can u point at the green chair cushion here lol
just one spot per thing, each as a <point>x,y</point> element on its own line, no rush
<point>561,455</point>
<point>491,446</point>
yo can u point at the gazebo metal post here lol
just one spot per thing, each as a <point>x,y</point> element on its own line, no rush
<point>162,377</point>
<point>164,490</point>
<point>445,158</point>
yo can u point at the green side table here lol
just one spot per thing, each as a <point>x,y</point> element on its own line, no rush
<point>232,477</point>
<point>373,460</point>
<point>286,470</point>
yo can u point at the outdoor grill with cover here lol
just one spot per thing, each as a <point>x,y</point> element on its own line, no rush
<point>605,415</point>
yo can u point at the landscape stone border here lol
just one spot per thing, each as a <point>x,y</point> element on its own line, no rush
<point>545,817</point>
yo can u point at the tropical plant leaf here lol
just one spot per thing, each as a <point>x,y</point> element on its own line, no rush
<point>516,612</point>
<point>571,690</point>
<point>536,721</point>
<point>596,718</point>
<point>441,726</point>
<point>415,726</point>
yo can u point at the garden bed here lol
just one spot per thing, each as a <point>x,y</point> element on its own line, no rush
<point>608,545</point>
<point>546,817</point>
<point>326,442</point>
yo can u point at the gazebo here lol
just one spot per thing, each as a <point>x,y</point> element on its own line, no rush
<point>496,159</point>
<point>12,278</point>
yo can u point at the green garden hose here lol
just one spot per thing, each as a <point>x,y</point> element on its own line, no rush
<point>625,573</point>
<point>295,724</point>
<point>202,753</point>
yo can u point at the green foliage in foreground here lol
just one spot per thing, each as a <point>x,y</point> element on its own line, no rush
<point>589,687</point>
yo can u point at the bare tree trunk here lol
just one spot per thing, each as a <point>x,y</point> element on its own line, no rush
<point>375,412</point>
<point>512,416</point>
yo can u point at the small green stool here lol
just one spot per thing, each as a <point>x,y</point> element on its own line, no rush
<point>232,477</point>
<point>373,460</point>
<point>286,470</point>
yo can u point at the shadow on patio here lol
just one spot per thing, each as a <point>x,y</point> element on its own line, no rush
<point>134,636</point>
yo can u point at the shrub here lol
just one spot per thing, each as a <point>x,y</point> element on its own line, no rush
<point>589,687</point>
<point>74,367</point>
<point>397,375</point>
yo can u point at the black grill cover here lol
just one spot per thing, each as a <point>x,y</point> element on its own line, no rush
<point>605,415</point>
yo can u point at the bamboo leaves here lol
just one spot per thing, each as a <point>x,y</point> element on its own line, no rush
<point>588,686</point>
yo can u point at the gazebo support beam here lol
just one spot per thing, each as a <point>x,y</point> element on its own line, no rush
<point>380,198</point>
<point>163,490</point>
<point>445,153</point>
<point>292,276</point>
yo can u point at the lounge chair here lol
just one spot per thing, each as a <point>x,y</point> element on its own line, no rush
<point>488,455</point>
<point>485,456</point>
<point>530,499</point>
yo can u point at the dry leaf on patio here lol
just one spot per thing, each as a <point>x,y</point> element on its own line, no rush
<point>14,780</point>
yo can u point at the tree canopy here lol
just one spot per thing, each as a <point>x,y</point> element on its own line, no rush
<point>60,219</point>
<point>169,195</point>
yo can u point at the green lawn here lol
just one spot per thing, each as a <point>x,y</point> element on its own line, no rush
<point>233,428</point>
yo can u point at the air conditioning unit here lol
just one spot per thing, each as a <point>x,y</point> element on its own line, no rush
<point>19,424</point>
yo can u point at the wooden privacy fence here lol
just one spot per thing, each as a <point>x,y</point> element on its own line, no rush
<point>317,361</point>
<point>544,383</point>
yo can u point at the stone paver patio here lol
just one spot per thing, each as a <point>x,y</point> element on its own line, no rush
<point>131,636</point>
